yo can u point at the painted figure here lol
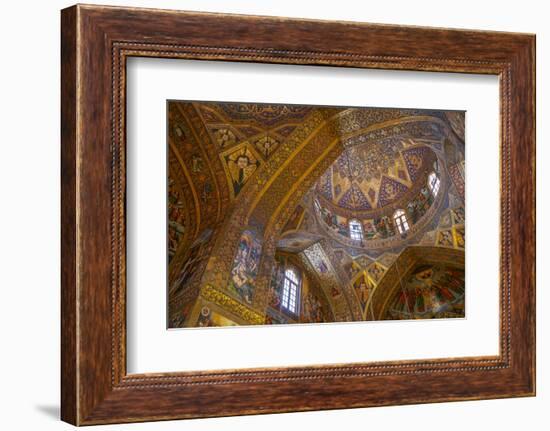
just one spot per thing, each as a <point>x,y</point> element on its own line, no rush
<point>245,266</point>
<point>432,291</point>
<point>241,165</point>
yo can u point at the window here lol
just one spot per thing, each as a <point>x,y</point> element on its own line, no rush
<point>401,221</point>
<point>355,230</point>
<point>434,183</point>
<point>290,291</point>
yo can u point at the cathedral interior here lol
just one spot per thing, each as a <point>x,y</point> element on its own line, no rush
<point>283,214</point>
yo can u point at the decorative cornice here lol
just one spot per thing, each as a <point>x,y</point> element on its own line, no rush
<point>211,294</point>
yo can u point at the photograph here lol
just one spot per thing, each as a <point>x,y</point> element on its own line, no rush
<point>287,214</point>
<point>275,215</point>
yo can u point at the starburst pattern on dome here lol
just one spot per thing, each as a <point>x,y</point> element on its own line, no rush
<point>390,191</point>
<point>414,160</point>
<point>375,174</point>
<point>354,198</point>
<point>368,162</point>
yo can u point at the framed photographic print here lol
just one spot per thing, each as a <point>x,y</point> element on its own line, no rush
<point>259,208</point>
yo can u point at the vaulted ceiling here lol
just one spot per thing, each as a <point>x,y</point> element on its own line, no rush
<point>294,176</point>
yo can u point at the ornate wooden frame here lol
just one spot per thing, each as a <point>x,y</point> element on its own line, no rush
<point>95,43</point>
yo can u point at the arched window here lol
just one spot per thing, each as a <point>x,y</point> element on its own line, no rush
<point>290,291</point>
<point>434,183</point>
<point>355,230</point>
<point>401,221</point>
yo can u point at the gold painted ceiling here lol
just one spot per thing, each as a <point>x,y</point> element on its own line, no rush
<point>371,176</point>
<point>286,180</point>
<point>262,126</point>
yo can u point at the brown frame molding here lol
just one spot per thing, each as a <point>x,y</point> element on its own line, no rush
<point>95,43</point>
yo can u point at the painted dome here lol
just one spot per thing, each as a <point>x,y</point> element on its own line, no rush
<point>368,184</point>
<point>366,178</point>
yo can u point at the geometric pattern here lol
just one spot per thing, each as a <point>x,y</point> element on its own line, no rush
<point>324,186</point>
<point>458,180</point>
<point>225,138</point>
<point>266,145</point>
<point>208,115</point>
<point>390,190</point>
<point>354,198</point>
<point>265,114</point>
<point>371,175</point>
<point>249,131</point>
<point>414,158</point>
<point>285,130</point>
<point>450,231</point>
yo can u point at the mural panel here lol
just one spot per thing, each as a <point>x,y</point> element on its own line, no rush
<point>431,291</point>
<point>240,163</point>
<point>245,266</point>
<point>363,286</point>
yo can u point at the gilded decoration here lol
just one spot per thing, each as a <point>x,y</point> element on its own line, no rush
<point>266,145</point>
<point>211,294</point>
<point>245,266</point>
<point>224,137</point>
<point>240,164</point>
<point>265,114</point>
<point>321,266</point>
<point>358,202</point>
<point>429,291</point>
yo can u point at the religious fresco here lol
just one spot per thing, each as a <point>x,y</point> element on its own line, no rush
<point>197,254</point>
<point>376,271</point>
<point>276,282</point>
<point>295,219</point>
<point>382,192</point>
<point>241,164</point>
<point>245,266</point>
<point>363,286</point>
<point>313,309</point>
<point>289,214</point>
<point>295,241</point>
<point>431,291</point>
<point>380,227</point>
<point>208,318</point>
<point>176,218</point>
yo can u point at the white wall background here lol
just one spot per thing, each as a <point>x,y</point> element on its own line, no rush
<point>29,215</point>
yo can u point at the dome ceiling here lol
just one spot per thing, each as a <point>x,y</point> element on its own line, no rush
<point>369,177</point>
<point>361,201</point>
